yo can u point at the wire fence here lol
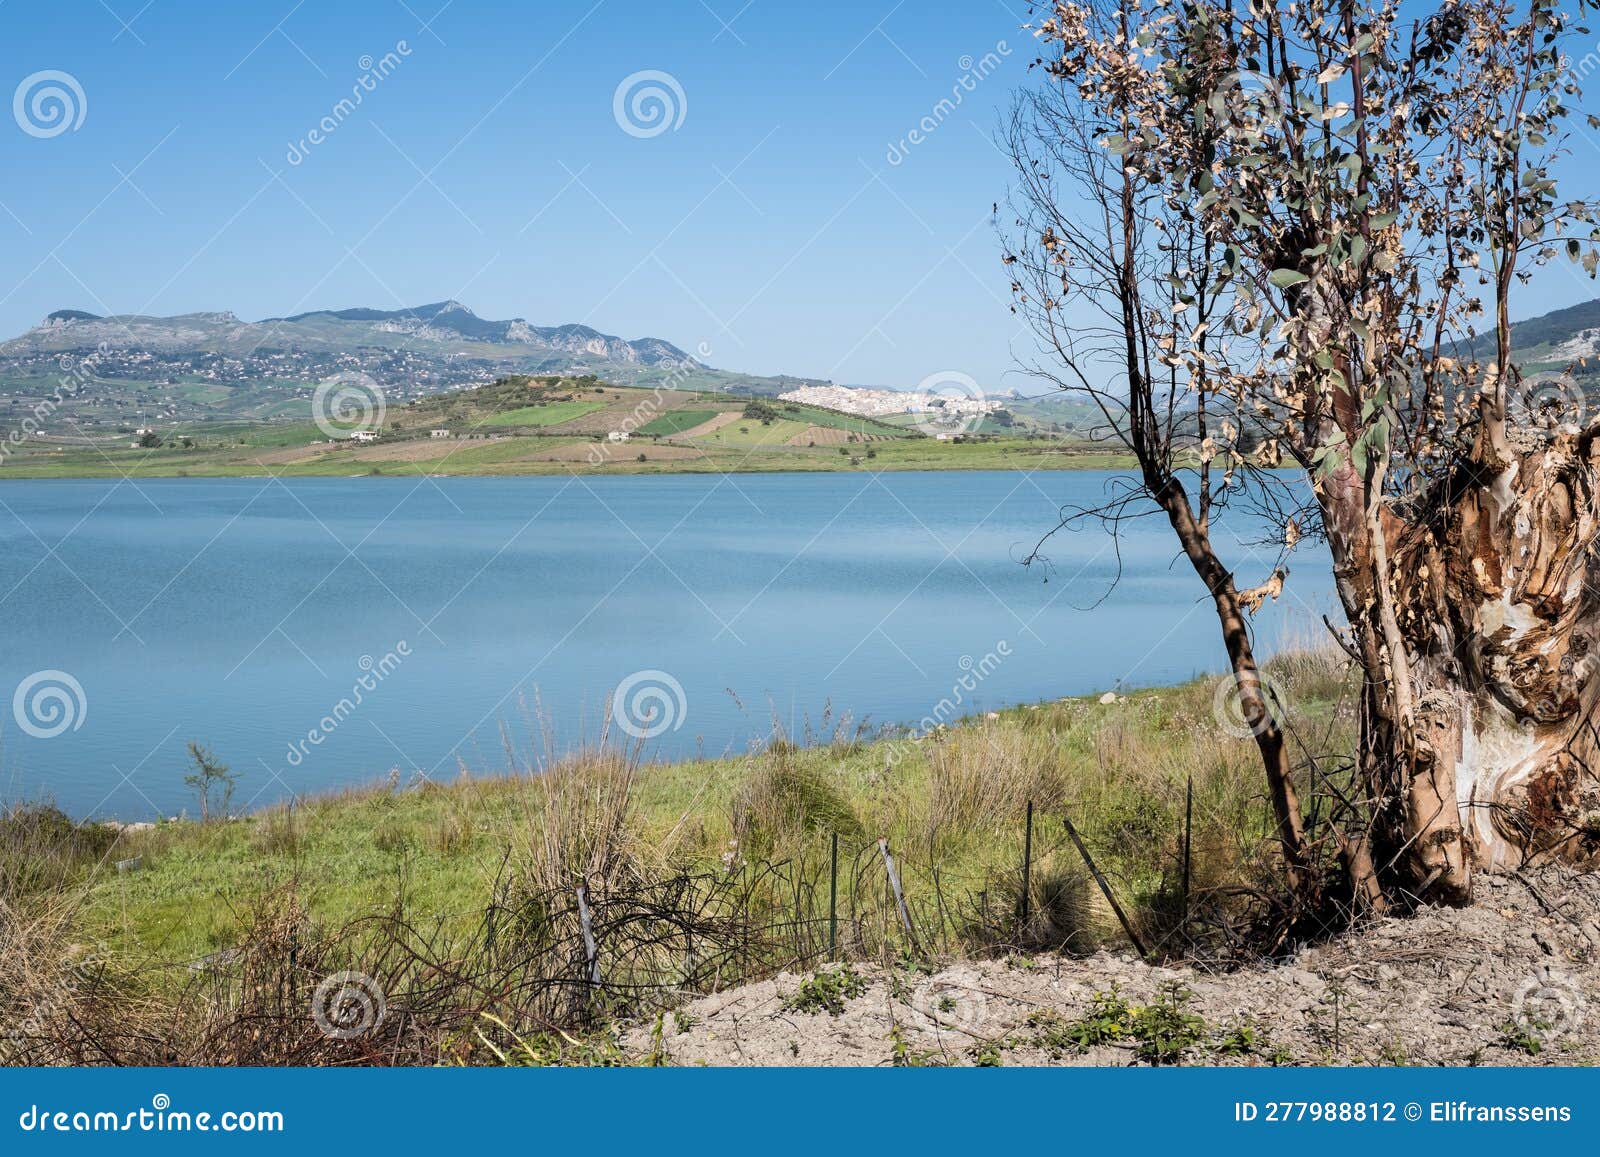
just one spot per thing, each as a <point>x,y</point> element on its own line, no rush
<point>397,988</point>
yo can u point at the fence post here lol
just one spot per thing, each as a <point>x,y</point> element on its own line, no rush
<point>590,948</point>
<point>1027,870</point>
<point>899,893</point>
<point>1188,832</point>
<point>833,899</point>
<point>1105,888</point>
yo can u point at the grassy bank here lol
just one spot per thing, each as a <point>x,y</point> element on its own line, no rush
<point>460,900</point>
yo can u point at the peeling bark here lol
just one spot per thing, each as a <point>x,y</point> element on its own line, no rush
<point>1499,612</point>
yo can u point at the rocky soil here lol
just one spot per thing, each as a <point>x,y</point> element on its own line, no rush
<point>1508,981</point>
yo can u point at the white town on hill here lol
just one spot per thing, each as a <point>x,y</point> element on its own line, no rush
<point>874,403</point>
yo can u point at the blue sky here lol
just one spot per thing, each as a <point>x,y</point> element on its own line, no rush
<point>769,224</point>
<point>488,166</point>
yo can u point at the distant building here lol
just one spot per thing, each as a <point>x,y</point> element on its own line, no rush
<point>618,436</point>
<point>439,433</point>
<point>363,435</point>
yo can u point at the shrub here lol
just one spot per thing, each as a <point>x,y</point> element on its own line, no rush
<point>42,849</point>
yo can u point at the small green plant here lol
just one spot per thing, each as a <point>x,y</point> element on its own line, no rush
<point>1109,1019</point>
<point>1167,1029</point>
<point>1524,1038</point>
<point>913,965</point>
<point>986,1055</point>
<point>683,1020</point>
<point>1240,1040</point>
<point>1393,1053</point>
<point>827,992</point>
<point>1331,1035</point>
<point>903,1056</point>
<point>1162,1032</point>
<point>899,1050</point>
<point>658,1052</point>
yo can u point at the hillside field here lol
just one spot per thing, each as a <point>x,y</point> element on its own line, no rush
<point>529,425</point>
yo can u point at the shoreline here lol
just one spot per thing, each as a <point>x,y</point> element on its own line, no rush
<point>892,734</point>
<point>1112,465</point>
<point>1108,462</point>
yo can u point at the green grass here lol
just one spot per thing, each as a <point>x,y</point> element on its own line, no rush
<point>750,433</point>
<point>548,414</point>
<point>676,422</point>
<point>1119,770</point>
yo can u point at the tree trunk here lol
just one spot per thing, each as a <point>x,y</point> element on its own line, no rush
<point>1500,620</point>
<point>1254,710</point>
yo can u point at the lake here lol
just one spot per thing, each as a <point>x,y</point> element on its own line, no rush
<point>325,632</point>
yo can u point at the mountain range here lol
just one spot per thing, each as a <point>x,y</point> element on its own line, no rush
<point>241,365</point>
<point>216,366</point>
<point>442,327</point>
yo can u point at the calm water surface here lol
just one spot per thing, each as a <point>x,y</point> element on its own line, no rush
<point>240,613</point>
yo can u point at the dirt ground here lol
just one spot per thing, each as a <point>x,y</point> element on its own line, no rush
<point>712,425</point>
<point>1508,981</point>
